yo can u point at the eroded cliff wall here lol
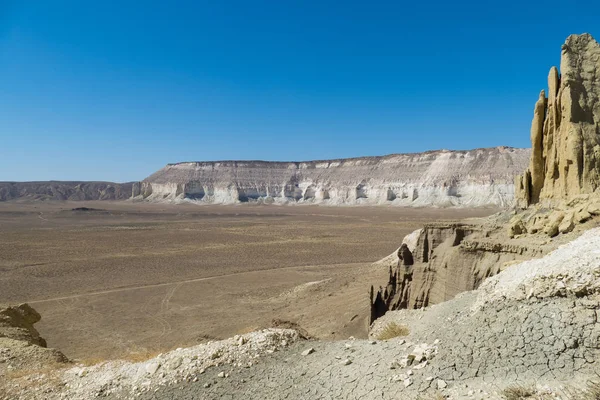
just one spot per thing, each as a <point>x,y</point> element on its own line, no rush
<point>481,177</point>
<point>65,190</point>
<point>565,131</point>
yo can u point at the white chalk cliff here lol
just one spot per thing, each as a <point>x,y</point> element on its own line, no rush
<point>474,178</point>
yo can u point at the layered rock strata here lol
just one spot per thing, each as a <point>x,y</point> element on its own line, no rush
<point>447,259</point>
<point>64,190</point>
<point>481,177</point>
<point>565,131</point>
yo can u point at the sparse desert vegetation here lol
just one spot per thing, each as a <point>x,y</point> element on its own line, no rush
<point>393,330</point>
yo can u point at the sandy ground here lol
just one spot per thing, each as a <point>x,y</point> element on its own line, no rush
<point>133,279</point>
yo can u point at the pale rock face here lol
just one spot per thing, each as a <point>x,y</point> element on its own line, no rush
<point>481,177</point>
<point>565,131</point>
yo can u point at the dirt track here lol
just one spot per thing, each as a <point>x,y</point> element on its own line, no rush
<point>135,279</point>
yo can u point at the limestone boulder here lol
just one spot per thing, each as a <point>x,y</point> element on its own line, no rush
<point>554,222</point>
<point>567,224</point>
<point>516,227</point>
<point>593,208</point>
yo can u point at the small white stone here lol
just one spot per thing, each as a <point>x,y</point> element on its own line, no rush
<point>441,384</point>
<point>221,374</point>
<point>152,368</point>
<point>308,351</point>
<point>408,382</point>
<point>420,366</point>
<point>347,362</point>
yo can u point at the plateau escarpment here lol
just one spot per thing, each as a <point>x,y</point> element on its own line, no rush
<point>64,190</point>
<point>481,177</point>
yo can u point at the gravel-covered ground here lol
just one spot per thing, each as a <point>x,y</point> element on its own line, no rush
<point>548,338</point>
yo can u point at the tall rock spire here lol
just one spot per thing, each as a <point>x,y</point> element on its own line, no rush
<point>565,131</point>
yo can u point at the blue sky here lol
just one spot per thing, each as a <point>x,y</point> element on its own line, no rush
<point>113,90</point>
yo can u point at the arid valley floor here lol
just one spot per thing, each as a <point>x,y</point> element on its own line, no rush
<point>132,279</point>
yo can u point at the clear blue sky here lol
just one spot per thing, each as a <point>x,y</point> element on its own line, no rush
<point>113,90</point>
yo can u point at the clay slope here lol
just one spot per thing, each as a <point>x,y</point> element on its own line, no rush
<point>65,190</point>
<point>480,177</point>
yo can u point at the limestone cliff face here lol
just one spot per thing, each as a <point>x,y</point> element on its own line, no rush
<point>480,177</point>
<point>565,132</point>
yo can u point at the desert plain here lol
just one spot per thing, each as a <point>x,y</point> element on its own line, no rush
<point>129,280</point>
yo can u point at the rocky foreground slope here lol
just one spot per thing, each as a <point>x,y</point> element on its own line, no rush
<point>535,324</point>
<point>481,177</point>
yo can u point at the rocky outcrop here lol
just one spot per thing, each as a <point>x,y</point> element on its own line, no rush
<point>481,177</point>
<point>535,322</point>
<point>16,322</point>
<point>447,259</point>
<point>64,190</point>
<point>565,132</point>
<point>558,194</point>
<point>21,346</point>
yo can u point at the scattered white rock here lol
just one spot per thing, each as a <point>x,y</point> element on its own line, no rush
<point>308,351</point>
<point>152,367</point>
